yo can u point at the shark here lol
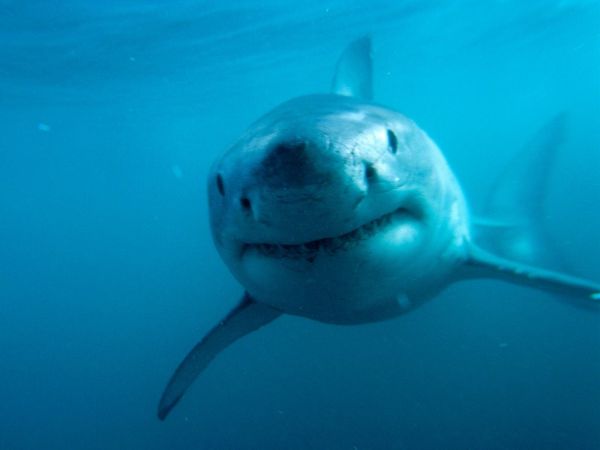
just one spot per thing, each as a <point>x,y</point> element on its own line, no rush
<point>338,209</point>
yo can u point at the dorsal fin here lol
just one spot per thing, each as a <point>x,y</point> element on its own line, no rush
<point>354,71</point>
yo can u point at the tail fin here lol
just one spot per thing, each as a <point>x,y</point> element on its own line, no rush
<point>514,210</point>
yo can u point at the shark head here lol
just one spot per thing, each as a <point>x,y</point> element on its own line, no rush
<point>327,193</point>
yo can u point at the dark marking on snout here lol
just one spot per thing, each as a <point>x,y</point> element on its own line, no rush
<point>291,163</point>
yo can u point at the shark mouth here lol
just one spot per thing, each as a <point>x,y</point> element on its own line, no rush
<point>331,245</point>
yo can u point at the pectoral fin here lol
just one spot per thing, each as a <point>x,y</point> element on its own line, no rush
<point>482,264</point>
<point>247,317</point>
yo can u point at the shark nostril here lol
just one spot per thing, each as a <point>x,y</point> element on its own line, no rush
<point>245,204</point>
<point>370,173</point>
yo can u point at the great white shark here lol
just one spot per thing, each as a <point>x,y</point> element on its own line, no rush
<point>340,210</point>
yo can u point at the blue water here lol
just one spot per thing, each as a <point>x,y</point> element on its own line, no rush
<point>110,114</point>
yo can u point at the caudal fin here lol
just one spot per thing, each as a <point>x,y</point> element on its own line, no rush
<point>512,224</point>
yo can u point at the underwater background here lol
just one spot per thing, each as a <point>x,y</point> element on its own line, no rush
<point>110,116</point>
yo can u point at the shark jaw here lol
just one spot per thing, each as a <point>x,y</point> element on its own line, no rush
<point>388,224</point>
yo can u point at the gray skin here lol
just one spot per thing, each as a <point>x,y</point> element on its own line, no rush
<point>339,210</point>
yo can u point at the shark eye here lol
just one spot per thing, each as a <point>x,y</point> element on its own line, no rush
<point>392,141</point>
<point>220,185</point>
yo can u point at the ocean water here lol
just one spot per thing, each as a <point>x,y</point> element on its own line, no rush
<point>110,115</point>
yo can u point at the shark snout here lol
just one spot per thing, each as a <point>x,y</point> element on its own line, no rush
<point>298,189</point>
<point>292,172</point>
